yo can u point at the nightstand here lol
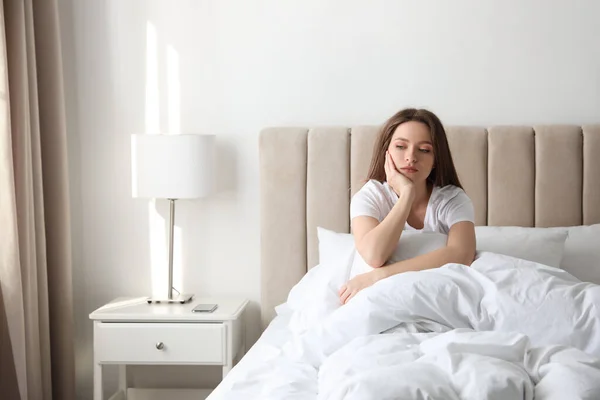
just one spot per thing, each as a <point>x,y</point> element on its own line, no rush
<point>131,331</point>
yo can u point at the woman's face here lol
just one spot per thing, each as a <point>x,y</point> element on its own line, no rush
<point>412,150</point>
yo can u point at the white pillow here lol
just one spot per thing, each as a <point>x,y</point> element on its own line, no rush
<point>540,245</point>
<point>582,252</point>
<point>336,252</point>
<point>411,244</point>
<point>316,295</point>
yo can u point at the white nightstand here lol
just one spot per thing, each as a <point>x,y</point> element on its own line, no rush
<point>131,331</point>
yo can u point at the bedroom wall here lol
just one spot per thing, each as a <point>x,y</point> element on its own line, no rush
<point>232,67</point>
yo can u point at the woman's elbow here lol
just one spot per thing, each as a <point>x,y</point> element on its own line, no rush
<point>465,257</point>
<point>460,255</point>
<point>376,263</point>
<point>372,260</point>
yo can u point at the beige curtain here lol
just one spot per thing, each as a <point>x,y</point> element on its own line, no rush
<point>36,317</point>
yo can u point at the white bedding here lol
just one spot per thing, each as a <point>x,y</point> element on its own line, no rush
<point>240,379</point>
<point>504,328</point>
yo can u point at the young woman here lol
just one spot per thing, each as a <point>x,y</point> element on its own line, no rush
<point>412,185</point>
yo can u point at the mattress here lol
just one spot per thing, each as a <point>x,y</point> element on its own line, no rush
<point>269,343</point>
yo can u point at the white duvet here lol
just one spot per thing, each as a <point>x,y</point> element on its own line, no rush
<point>503,328</point>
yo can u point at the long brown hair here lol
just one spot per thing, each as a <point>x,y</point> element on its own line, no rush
<point>444,172</point>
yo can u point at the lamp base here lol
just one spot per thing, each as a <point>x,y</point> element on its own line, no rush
<point>181,299</point>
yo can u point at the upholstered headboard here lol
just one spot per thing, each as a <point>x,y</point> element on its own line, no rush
<point>539,176</point>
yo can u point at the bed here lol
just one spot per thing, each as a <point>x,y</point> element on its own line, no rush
<point>533,180</point>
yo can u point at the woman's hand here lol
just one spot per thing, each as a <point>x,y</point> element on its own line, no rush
<point>397,180</point>
<point>358,283</point>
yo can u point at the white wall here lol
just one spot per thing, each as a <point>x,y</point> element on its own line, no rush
<point>243,65</point>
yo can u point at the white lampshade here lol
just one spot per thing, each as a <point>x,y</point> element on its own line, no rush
<point>172,166</point>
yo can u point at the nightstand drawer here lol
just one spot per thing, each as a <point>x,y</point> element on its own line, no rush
<point>160,343</point>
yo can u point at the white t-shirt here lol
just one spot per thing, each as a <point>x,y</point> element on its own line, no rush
<point>447,206</point>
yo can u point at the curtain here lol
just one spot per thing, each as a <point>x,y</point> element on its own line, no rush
<point>36,310</point>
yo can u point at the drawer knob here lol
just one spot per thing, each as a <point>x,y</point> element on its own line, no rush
<point>160,345</point>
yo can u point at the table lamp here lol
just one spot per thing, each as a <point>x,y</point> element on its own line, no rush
<point>172,167</point>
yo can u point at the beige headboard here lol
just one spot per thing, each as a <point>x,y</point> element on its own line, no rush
<point>525,176</point>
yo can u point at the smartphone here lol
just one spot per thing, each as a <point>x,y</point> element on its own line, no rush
<point>205,308</point>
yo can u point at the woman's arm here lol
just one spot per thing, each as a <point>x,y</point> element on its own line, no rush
<point>375,241</point>
<point>460,249</point>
